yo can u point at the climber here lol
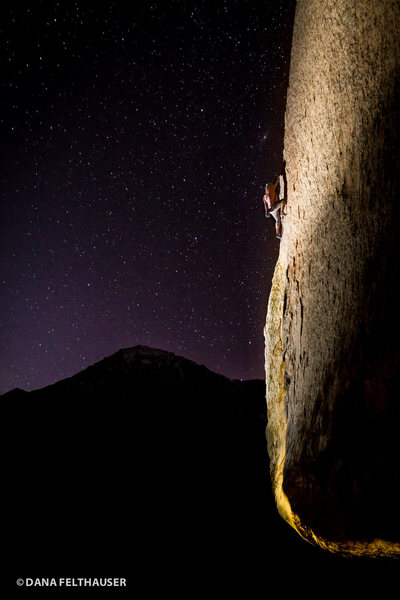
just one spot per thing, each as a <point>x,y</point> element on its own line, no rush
<point>273,206</point>
<point>270,196</point>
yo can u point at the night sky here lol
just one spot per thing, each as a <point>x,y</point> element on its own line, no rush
<point>136,140</point>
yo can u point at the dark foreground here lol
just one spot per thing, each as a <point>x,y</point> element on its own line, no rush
<point>151,468</point>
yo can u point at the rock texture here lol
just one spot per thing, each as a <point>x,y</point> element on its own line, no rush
<point>332,332</point>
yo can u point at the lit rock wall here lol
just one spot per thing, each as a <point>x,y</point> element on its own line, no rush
<point>332,333</point>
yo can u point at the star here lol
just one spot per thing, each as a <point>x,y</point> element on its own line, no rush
<point>133,168</point>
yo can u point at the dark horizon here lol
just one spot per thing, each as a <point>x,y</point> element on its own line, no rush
<point>153,352</point>
<point>136,143</point>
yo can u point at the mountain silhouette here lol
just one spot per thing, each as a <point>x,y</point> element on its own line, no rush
<point>149,466</point>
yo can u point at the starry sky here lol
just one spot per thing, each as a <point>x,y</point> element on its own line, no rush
<point>136,141</point>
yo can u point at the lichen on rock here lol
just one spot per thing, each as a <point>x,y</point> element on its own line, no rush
<point>332,333</point>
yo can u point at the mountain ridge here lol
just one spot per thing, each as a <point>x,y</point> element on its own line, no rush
<point>138,356</point>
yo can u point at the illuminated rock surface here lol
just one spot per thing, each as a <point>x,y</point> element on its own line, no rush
<point>332,331</point>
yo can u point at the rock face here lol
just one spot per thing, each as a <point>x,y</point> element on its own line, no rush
<point>332,330</point>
